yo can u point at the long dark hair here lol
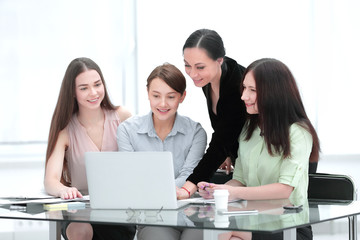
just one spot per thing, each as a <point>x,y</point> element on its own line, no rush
<point>67,105</point>
<point>206,39</point>
<point>279,105</point>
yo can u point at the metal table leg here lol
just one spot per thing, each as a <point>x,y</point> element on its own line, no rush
<point>290,234</point>
<point>54,230</point>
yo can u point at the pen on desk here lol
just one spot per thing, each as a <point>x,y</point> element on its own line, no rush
<point>17,208</point>
<point>203,187</point>
<point>201,203</point>
<point>239,212</point>
<point>207,186</point>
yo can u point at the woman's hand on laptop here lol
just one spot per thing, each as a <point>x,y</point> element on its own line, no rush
<point>70,193</point>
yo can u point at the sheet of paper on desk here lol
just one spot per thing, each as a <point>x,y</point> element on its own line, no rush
<point>239,212</point>
<point>41,200</point>
<point>200,200</point>
<point>25,194</point>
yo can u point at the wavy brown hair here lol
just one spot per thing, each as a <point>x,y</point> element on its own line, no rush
<point>67,105</point>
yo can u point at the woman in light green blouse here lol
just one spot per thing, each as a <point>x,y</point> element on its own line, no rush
<point>276,143</point>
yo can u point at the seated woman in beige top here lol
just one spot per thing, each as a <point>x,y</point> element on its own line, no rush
<point>84,120</point>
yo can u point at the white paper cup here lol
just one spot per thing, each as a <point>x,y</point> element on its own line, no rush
<point>221,199</point>
<point>221,220</point>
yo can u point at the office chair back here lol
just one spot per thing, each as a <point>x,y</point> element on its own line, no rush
<point>327,187</point>
<point>331,187</point>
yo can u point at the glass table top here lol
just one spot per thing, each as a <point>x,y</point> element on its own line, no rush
<point>271,216</point>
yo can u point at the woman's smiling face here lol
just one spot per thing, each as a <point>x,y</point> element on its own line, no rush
<point>89,89</point>
<point>200,67</point>
<point>249,95</point>
<point>164,101</point>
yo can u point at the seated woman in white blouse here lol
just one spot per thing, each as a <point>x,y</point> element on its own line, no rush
<point>163,129</point>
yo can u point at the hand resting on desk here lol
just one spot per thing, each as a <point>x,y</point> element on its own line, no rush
<point>206,190</point>
<point>70,193</point>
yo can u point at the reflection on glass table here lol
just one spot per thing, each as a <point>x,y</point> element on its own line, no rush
<point>271,217</point>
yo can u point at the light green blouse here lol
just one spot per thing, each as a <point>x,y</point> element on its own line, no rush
<point>256,167</point>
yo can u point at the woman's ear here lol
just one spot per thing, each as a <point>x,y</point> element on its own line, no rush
<point>183,96</point>
<point>220,60</point>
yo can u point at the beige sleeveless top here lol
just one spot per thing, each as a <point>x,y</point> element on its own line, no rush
<point>80,142</point>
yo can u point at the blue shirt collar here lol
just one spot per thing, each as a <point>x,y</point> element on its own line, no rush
<point>148,126</point>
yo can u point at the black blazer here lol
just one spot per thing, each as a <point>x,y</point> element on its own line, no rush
<point>227,123</point>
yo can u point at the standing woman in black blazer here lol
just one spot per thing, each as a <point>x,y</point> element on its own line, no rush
<point>219,77</point>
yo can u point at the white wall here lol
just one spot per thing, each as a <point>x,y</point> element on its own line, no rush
<point>38,39</point>
<point>318,40</point>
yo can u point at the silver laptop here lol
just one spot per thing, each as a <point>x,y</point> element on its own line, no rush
<point>135,180</point>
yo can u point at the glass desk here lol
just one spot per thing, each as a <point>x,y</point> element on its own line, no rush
<point>271,217</point>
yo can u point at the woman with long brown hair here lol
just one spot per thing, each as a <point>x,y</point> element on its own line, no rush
<point>84,120</point>
<point>276,144</point>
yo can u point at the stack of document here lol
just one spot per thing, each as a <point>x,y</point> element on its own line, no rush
<point>64,206</point>
<point>51,199</point>
<point>37,203</point>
